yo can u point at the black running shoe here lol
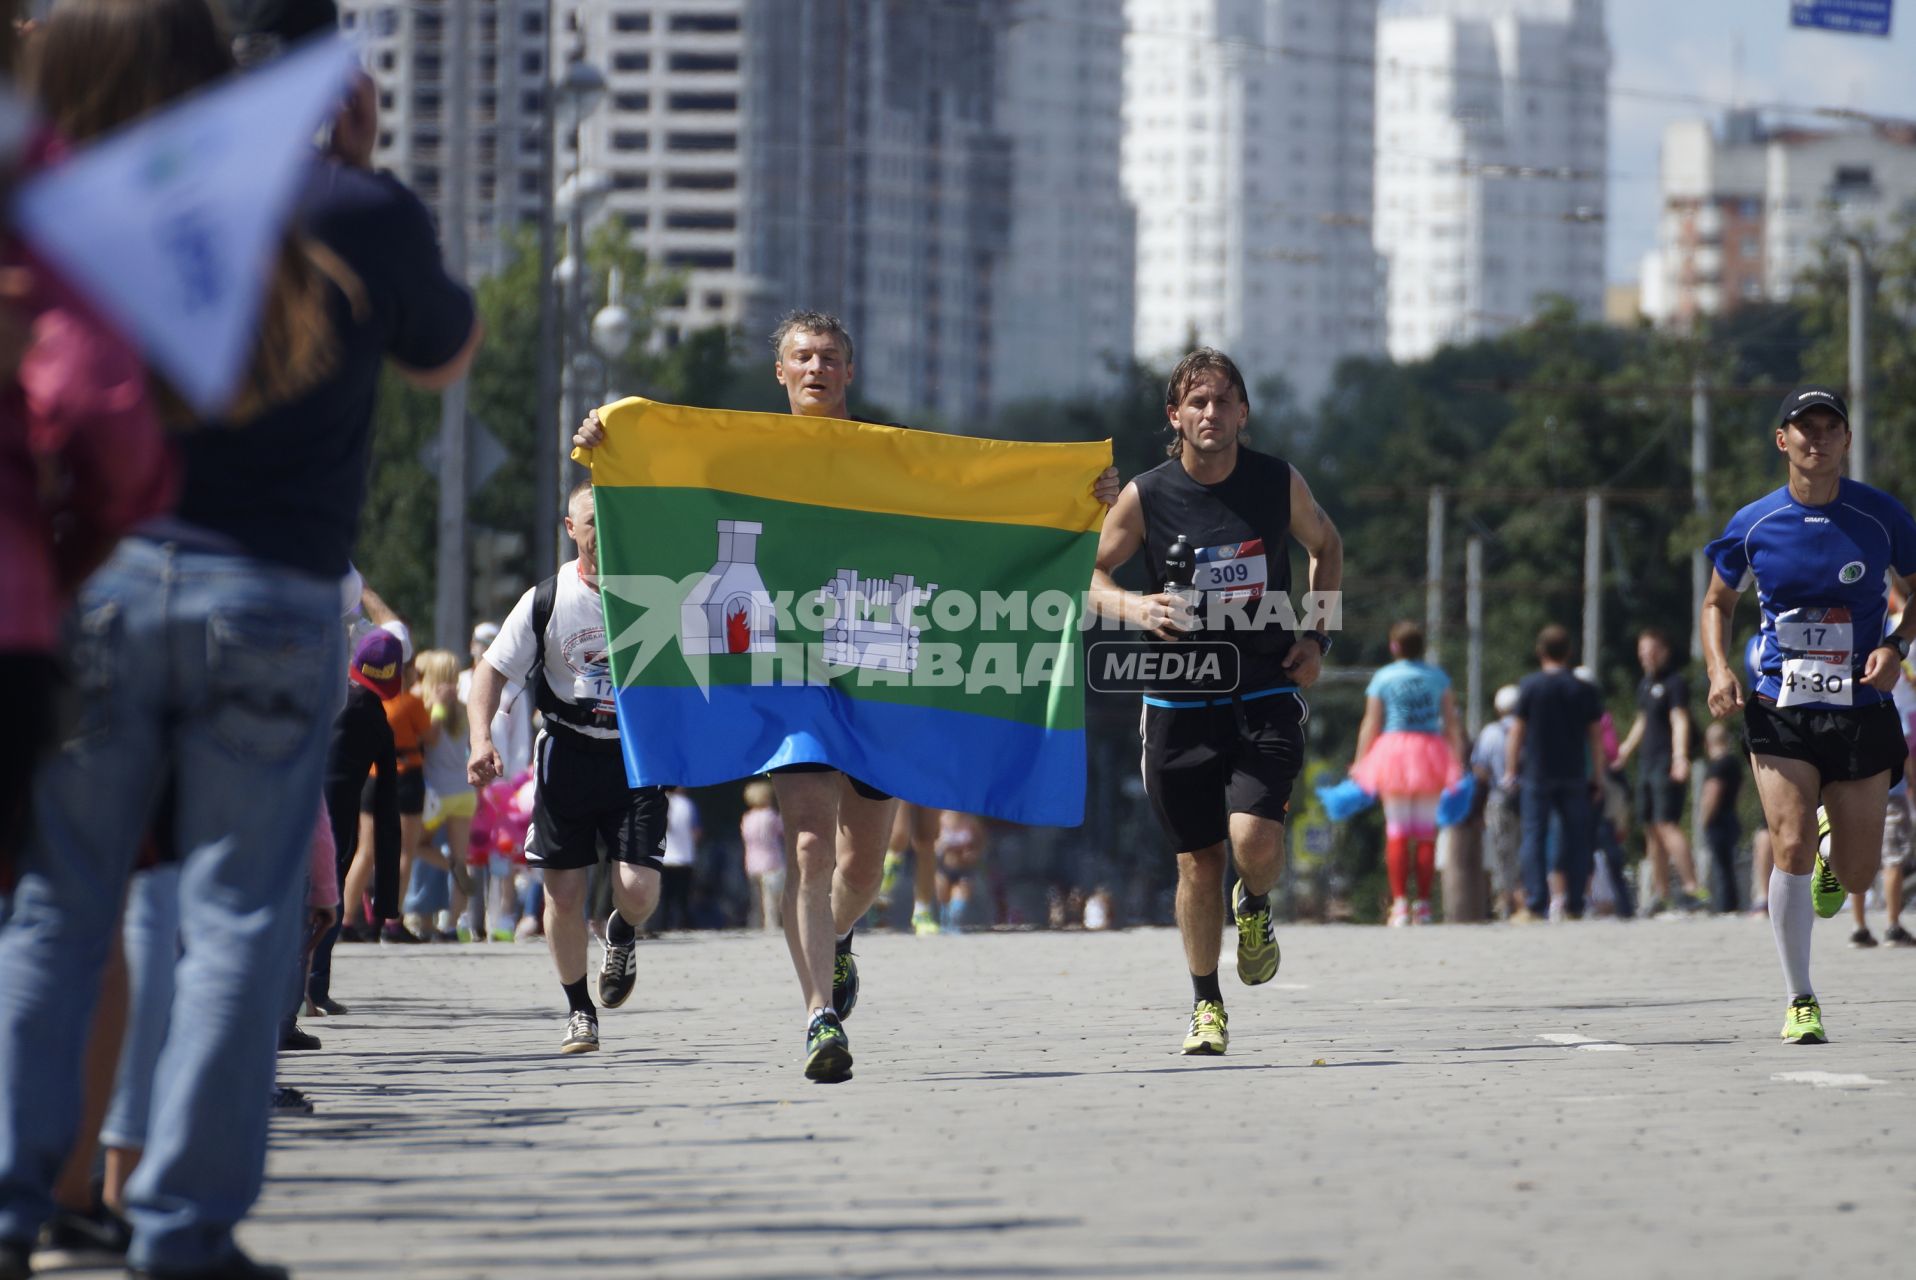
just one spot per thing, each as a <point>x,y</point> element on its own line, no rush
<point>234,1266</point>
<point>76,1241</point>
<point>828,1050</point>
<point>844,983</point>
<point>1897,936</point>
<point>1862,938</point>
<point>291,1101</point>
<point>397,932</point>
<point>296,1040</point>
<point>330,1007</point>
<point>620,972</point>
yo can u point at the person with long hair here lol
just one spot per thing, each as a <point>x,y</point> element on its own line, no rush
<point>205,651</point>
<point>1410,747</point>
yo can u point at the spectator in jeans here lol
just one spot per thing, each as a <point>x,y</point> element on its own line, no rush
<point>1556,767</point>
<point>208,647</point>
<point>1489,760</point>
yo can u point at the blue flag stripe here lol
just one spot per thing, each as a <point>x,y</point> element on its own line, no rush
<point>972,763</point>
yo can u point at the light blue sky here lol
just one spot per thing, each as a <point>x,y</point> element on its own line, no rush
<point>1688,47</point>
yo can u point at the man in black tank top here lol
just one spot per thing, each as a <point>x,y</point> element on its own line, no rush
<point>836,826</point>
<point>1220,757</point>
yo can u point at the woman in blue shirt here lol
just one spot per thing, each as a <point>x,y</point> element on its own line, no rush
<point>1820,552</point>
<point>1409,749</point>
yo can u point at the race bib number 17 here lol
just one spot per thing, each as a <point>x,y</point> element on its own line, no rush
<point>1817,646</point>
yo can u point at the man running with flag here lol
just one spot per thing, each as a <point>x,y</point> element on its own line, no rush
<point>836,824</point>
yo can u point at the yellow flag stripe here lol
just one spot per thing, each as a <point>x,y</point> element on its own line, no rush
<point>852,466</point>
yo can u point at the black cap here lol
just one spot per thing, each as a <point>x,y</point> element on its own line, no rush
<point>1811,396</point>
<point>290,20</point>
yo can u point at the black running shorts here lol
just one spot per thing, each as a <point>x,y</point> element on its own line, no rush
<point>1204,763</point>
<point>1846,744</point>
<point>863,789</point>
<point>412,793</point>
<point>1658,798</point>
<point>583,799</point>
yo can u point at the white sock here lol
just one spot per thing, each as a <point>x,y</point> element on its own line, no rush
<point>1792,920</point>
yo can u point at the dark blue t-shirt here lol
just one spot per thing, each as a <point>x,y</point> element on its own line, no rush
<point>1557,710</point>
<point>1819,578</point>
<point>289,485</point>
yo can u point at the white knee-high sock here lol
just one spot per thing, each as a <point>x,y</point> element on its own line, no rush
<point>1792,920</point>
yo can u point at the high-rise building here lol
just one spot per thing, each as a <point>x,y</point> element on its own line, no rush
<point>1746,206</point>
<point>1248,155</point>
<point>1491,138</point>
<point>877,187</point>
<point>1061,301</point>
<point>425,57</point>
<point>667,139</point>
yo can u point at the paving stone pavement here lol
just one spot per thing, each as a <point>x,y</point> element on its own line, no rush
<point>1561,1101</point>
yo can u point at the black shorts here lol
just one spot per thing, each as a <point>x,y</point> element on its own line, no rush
<point>583,799</point>
<point>1845,744</point>
<point>1204,763</point>
<point>1658,798</point>
<point>868,792</point>
<point>412,793</point>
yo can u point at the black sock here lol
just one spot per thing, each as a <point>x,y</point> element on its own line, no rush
<point>1204,987</point>
<point>618,932</point>
<point>579,1000</point>
<point>844,947</point>
<point>1252,903</point>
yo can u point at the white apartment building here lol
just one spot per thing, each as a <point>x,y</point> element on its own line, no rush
<point>1748,205</point>
<point>412,53</point>
<point>1248,154</point>
<point>667,138</point>
<point>1492,123</point>
<point>1061,303</point>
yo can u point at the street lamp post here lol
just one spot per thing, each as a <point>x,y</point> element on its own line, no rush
<point>579,91</point>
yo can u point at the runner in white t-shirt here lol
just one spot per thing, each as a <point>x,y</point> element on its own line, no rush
<point>583,797</point>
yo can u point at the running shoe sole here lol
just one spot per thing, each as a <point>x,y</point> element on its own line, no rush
<point>844,985</point>
<point>830,1063</point>
<point>1257,958</point>
<point>619,974</point>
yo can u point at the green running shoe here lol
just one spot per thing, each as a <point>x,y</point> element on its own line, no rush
<point>1210,1030</point>
<point>844,984</point>
<point>924,923</point>
<point>1803,1024</point>
<point>1257,955</point>
<point>1826,891</point>
<point>828,1050</point>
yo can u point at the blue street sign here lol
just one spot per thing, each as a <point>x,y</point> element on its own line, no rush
<point>1853,17</point>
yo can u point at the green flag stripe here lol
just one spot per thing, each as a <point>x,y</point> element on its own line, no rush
<point>1009,665</point>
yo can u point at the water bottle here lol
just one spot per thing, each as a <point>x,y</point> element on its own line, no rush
<point>1179,567</point>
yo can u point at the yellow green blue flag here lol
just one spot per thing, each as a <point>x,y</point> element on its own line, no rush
<point>902,605</point>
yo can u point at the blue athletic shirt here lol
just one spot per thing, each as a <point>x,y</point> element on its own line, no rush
<point>1819,574</point>
<point>1413,696</point>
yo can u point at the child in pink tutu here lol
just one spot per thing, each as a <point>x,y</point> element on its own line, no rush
<point>1409,749</point>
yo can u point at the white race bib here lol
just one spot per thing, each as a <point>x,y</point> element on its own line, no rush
<point>1817,646</point>
<point>593,691</point>
<point>1236,571</point>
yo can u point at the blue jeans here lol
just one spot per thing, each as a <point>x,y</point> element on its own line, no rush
<point>1570,802</point>
<point>226,673</point>
<point>152,940</point>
